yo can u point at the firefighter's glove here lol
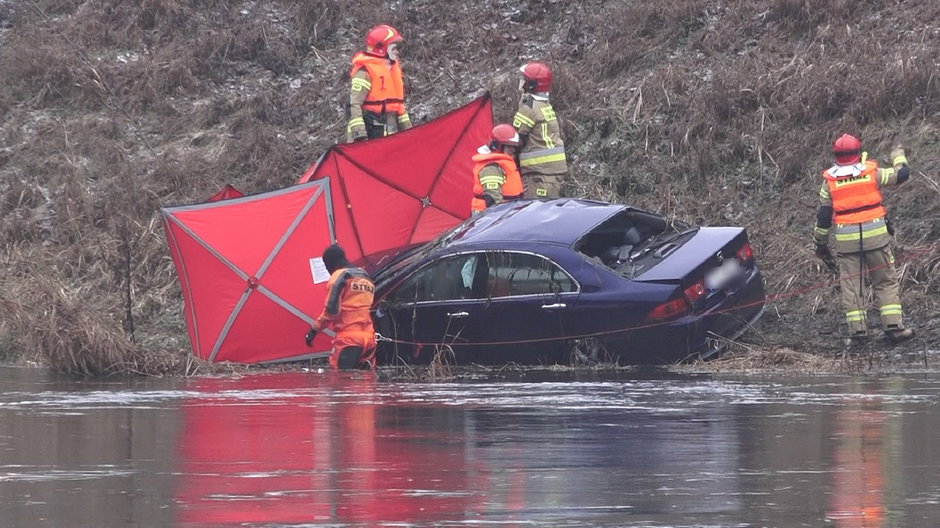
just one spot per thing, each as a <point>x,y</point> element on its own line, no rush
<point>490,202</point>
<point>312,333</point>
<point>823,253</point>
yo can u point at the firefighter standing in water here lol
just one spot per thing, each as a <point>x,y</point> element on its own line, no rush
<point>851,207</point>
<point>377,93</point>
<point>542,159</point>
<point>495,175</point>
<point>348,301</point>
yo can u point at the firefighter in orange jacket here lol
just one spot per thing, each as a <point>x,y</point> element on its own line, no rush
<point>851,208</point>
<point>495,175</point>
<point>542,160</point>
<point>377,93</point>
<point>348,301</point>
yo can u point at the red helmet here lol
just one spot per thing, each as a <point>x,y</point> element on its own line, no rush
<point>537,75</point>
<point>379,38</point>
<point>847,149</point>
<point>503,135</point>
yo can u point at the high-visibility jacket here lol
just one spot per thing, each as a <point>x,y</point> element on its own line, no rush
<point>503,181</point>
<point>349,298</point>
<point>855,197</point>
<point>386,88</point>
<point>543,150</point>
<point>852,197</point>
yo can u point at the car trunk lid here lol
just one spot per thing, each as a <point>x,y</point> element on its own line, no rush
<point>685,257</point>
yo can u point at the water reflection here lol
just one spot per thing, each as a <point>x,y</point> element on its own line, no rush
<point>336,449</point>
<point>325,456</point>
<point>248,459</point>
<point>271,450</point>
<point>858,475</point>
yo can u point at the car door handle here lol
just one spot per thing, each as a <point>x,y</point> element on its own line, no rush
<point>556,306</point>
<point>458,315</point>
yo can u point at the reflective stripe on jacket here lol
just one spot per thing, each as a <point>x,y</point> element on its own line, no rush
<point>510,184</point>
<point>543,150</point>
<point>863,231</point>
<point>386,88</point>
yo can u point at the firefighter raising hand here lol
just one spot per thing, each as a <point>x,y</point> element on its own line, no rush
<point>851,209</point>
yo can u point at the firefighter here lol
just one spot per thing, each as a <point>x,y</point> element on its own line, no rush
<point>495,174</point>
<point>348,301</point>
<point>377,93</point>
<point>851,208</point>
<point>542,154</point>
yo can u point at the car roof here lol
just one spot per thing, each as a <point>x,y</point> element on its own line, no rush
<point>561,221</point>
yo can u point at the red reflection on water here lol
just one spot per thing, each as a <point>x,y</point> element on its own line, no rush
<point>858,487</point>
<point>301,456</point>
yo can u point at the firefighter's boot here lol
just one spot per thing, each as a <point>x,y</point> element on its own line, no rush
<point>856,339</point>
<point>896,335</point>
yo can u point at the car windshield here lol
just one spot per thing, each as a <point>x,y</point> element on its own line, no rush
<point>419,252</point>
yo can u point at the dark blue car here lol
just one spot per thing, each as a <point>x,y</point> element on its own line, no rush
<point>565,281</point>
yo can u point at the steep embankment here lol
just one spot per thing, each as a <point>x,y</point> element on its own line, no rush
<point>716,112</point>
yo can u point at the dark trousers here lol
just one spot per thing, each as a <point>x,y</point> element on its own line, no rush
<point>355,357</point>
<point>379,125</point>
<point>349,358</point>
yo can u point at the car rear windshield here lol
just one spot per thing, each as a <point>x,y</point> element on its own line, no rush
<point>633,241</point>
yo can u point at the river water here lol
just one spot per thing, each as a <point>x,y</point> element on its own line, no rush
<point>547,449</point>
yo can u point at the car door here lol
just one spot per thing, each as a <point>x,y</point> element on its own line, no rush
<point>528,303</point>
<point>435,305</point>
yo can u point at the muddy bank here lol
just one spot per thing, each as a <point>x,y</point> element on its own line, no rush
<point>711,112</point>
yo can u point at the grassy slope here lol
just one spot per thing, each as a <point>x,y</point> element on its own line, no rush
<point>716,112</point>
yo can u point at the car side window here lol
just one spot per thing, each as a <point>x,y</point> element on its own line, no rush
<point>524,274</point>
<point>446,279</point>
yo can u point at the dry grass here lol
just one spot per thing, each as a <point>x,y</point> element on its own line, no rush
<point>52,322</point>
<point>442,363</point>
<point>768,360</point>
<point>713,112</point>
<point>774,360</point>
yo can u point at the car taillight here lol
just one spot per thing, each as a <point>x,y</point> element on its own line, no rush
<point>745,254</point>
<point>669,310</point>
<point>695,291</point>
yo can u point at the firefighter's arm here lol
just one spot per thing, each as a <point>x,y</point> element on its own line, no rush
<point>524,119</point>
<point>323,321</point>
<point>823,217</point>
<point>821,232</point>
<point>404,120</point>
<point>334,293</point>
<point>899,173</point>
<point>492,180</point>
<point>360,84</point>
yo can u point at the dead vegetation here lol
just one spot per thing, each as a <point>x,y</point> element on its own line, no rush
<point>775,360</point>
<point>713,112</point>
<point>872,357</point>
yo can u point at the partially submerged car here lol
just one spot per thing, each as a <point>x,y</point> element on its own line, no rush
<point>531,282</point>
